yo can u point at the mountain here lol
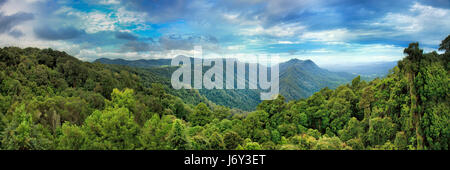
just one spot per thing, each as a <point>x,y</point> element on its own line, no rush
<point>136,63</point>
<point>298,79</point>
<point>50,100</point>
<point>369,70</point>
<point>244,99</point>
<point>302,78</point>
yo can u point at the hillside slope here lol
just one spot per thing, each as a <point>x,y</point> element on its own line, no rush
<point>302,78</point>
<point>298,79</point>
<point>50,100</point>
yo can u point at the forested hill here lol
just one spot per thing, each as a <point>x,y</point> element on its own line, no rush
<point>50,100</point>
<point>298,79</point>
<point>302,78</point>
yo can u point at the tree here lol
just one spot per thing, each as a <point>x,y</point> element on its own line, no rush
<point>232,140</point>
<point>221,112</point>
<point>365,103</point>
<point>123,99</point>
<point>216,141</point>
<point>412,64</point>
<point>255,121</point>
<point>329,143</point>
<point>22,134</point>
<point>272,106</point>
<point>249,145</point>
<point>72,137</point>
<point>149,137</point>
<point>445,45</point>
<point>201,116</point>
<point>177,136</point>
<point>352,130</point>
<point>112,129</point>
<point>180,110</point>
<point>381,130</point>
<point>199,142</point>
<point>400,141</point>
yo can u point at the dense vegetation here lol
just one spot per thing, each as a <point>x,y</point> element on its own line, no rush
<point>298,79</point>
<point>50,100</point>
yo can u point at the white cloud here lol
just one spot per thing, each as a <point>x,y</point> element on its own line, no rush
<point>92,22</point>
<point>321,50</point>
<point>97,21</point>
<point>286,42</point>
<point>130,18</point>
<point>280,30</point>
<point>422,23</point>
<point>109,2</point>
<point>15,6</point>
<point>331,36</point>
<point>236,47</point>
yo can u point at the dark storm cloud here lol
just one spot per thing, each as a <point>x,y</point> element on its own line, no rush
<point>7,22</point>
<point>64,33</point>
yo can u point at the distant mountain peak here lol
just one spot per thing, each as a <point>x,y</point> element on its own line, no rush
<point>308,61</point>
<point>298,62</point>
<point>294,60</point>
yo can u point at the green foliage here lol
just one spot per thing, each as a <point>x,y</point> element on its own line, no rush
<point>72,138</point>
<point>199,142</point>
<point>354,129</point>
<point>113,129</point>
<point>380,130</point>
<point>249,145</point>
<point>216,141</point>
<point>22,134</point>
<point>177,137</point>
<point>50,100</point>
<point>400,141</point>
<point>445,45</point>
<point>232,140</point>
<point>201,116</point>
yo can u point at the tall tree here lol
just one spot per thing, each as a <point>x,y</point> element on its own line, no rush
<point>177,136</point>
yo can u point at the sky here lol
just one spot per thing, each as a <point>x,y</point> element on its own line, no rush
<point>325,31</point>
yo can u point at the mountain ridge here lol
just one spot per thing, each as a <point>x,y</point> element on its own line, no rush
<point>298,79</point>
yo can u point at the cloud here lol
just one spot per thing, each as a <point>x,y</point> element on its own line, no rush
<point>63,33</point>
<point>332,36</point>
<point>125,36</point>
<point>423,23</point>
<point>136,46</point>
<point>2,2</point>
<point>353,53</point>
<point>16,33</point>
<point>281,30</point>
<point>160,11</point>
<point>10,21</point>
<point>175,42</point>
<point>137,28</point>
<point>109,2</point>
<point>187,42</point>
